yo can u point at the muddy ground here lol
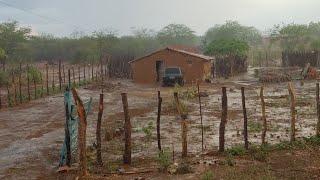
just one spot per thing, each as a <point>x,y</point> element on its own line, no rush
<point>32,134</point>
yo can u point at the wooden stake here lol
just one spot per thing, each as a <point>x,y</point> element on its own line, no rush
<point>200,111</point>
<point>293,111</point>
<point>92,72</point>
<point>158,120</point>
<point>98,132</point>
<point>318,109</point>
<point>245,120</point>
<point>81,133</point>
<point>42,88</point>
<point>84,73</point>
<point>127,130</point>
<point>224,115</point>
<point>264,120</point>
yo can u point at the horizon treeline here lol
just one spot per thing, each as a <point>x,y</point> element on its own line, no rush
<point>17,43</point>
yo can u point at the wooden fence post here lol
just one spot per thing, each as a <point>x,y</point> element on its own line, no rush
<point>0,100</point>
<point>224,115</point>
<point>14,88</point>
<point>64,74</point>
<point>184,128</point>
<point>264,120</point>
<point>200,111</point>
<point>81,132</point>
<point>42,88</point>
<point>98,132</point>
<point>79,75</point>
<point>35,87</point>
<point>20,89</point>
<point>28,81</point>
<point>158,121</point>
<point>47,79</point>
<point>73,76</point>
<point>127,130</point>
<point>92,72</point>
<point>53,83</point>
<point>245,120</point>
<point>84,73</point>
<point>293,111</point>
<point>318,110</point>
<point>60,78</point>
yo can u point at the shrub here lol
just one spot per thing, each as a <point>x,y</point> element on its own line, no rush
<point>4,79</point>
<point>164,159</point>
<point>148,131</point>
<point>237,150</point>
<point>34,74</point>
<point>259,153</point>
<point>208,175</point>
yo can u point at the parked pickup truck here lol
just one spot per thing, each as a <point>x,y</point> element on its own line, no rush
<point>172,76</point>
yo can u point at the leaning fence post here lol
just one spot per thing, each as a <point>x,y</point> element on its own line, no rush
<point>224,115</point>
<point>293,111</point>
<point>158,121</point>
<point>245,120</point>
<point>200,111</point>
<point>318,110</point>
<point>42,89</point>
<point>81,132</point>
<point>73,76</point>
<point>98,132</point>
<point>264,120</point>
<point>64,74</point>
<point>127,130</point>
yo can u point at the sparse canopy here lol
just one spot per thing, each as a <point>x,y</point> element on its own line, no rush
<point>297,37</point>
<point>176,34</point>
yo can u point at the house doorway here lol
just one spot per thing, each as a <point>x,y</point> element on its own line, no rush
<point>159,69</point>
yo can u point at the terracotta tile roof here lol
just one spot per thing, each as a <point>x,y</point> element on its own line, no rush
<point>201,56</point>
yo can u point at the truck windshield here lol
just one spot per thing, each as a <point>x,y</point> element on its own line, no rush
<point>172,71</point>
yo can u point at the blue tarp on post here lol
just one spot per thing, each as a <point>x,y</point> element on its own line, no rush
<point>73,121</point>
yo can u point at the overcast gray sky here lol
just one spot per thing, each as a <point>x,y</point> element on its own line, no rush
<point>65,16</point>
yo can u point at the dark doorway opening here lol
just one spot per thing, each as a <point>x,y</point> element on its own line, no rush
<point>159,67</point>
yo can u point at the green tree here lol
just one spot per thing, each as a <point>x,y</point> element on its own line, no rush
<point>232,30</point>
<point>223,47</point>
<point>177,34</point>
<point>12,36</point>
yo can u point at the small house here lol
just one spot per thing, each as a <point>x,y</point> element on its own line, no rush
<point>149,69</point>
